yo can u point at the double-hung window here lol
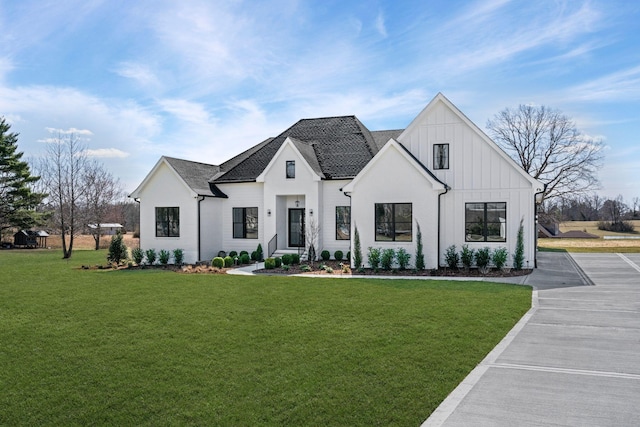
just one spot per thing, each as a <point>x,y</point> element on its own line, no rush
<point>290,169</point>
<point>168,222</point>
<point>485,222</point>
<point>343,222</point>
<point>440,156</point>
<point>245,223</point>
<point>393,222</point>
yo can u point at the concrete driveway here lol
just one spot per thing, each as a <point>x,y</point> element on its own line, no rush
<point>574,358</point>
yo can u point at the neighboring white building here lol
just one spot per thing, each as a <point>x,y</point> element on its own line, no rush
<point>107,228</point>
<point>333,175</point>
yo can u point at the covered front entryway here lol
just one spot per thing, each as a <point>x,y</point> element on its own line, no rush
<point>296,228</point>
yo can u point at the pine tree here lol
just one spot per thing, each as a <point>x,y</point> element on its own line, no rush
<point>17,200</point>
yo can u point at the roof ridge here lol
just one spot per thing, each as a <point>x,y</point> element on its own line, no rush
<point>190,161</point>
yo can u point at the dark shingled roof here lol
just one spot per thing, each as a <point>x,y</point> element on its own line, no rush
<point>381,137</point>
<point>197,176</point>
<point>336,147</point>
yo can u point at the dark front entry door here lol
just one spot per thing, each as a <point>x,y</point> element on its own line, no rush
<point>296,228</point>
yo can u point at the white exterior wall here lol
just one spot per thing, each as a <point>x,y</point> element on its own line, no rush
<point>477,172</point>
<point>211,228</point>
<point>332,196</point>
<point>241,195</point>
<point>393,179</point>
<point>165,189</point>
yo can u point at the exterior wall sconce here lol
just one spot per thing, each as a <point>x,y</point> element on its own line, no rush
<point>311,212</point>
<point>268,212</point>
<point>297,203</point>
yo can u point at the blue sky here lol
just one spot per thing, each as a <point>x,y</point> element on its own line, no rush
<point>204,80</point>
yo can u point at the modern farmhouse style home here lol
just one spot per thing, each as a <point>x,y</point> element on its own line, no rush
<point>322,179</point>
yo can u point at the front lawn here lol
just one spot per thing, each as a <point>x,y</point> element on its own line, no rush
<point>149,347</point>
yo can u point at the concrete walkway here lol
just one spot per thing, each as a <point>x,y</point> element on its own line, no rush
<point>573,359</point>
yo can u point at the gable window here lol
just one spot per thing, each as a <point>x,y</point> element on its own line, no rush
<point>168,222</point>
<point>343,222</point>
<point>485,222</point>
<point>291,168</point>
<point>245,223</point>
<point>441,156</point>
<point>393,222</point>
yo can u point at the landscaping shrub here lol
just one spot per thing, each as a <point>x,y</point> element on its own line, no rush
<point>451,257</point>
<point>138,255</point>
<point>419,250</point>
<point>295,259</point>
<point>117,250</point>
<point>483,256</point>
<point>259,253</point>
<point>466,256</point>
<point>254,256</point>
<point>164,256</point>
<point>270,263</point>
<point>228,261</point>
<point>306,268</point>
<point>357,255</point>
<point>338,255</point>
<point>278,261</point>
<point>403,258</point>
<point>286,259</point>
<point>244,259</point>
<point>620,226</point>
<point>387,258</point>
<point>151,256</point>
<point>178,256</point>
<point>325,255</point>
<point>329,270</point>
<point>518,256</point>
<point>244,253</point>
<point>222,254</point>
<point>347,257</point>
<point>499,257</point>
<point>374,257</point>
<point>217,262</point>
<point>233,254</point>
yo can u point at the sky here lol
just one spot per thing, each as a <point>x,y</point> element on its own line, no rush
<point>205,80</point>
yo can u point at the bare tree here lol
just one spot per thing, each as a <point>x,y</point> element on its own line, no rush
<point>101,192</point>
<point>63,172</point>
<point>636,204</point>
<point>312,233</point>
<point>548,146</point>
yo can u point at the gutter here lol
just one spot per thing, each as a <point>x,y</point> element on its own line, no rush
<point>446,190</point>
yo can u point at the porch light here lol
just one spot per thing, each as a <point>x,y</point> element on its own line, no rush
<point>297,203</point>
<point>268,212</point>
<point>311,212</point>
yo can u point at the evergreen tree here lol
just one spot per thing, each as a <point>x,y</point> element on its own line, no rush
<point>17,200</point>
<point>117,250</point>
<point>419,250</point>
<point>357,251</point>
<point>518,255</point>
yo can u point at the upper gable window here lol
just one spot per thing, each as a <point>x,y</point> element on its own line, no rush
<point>291,169</point>
<point>441,156</point>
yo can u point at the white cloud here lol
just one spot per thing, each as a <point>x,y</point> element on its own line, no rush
<point>137,72</point>
<point>107,153</point>
<point>70,131</point>
<point>380,25</point>
<point>621,85</point>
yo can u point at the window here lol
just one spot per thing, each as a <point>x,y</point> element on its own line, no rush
<point>393,222</point>
<point>343,222</point>
<point>245,223</point>
<point>167,222</point>
<point>441,156</point>
<point>291,168</point>
<point>485,222</point>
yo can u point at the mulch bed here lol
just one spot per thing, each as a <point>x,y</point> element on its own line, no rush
<point>441,272</point>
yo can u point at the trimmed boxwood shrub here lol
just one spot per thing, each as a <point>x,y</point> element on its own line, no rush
<point>259,253</point>
<point>348,256</point>
<point>244,258</point>
<point>222,254</point>
<point>233,254</point>
<point>269,263</point>
<point>278,261</point>
<point>286,259</point>
<point>338,255</point>
<point>228,261</point>
<point>217,262</point>
<point>243,253</point>
<point>325,255</point>
<point>295,259</point>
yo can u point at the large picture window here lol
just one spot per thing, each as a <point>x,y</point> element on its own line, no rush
<point>245,223</point>
<point>486,222</point>
<point>441,156</point>
<point>343,222</point>
<point>394,222</point>
<point>168,222</point>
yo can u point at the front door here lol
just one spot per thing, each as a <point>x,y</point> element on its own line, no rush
<point>296,228</point>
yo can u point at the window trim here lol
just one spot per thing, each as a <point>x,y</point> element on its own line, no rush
<point>394,237</point>
<point>484,223</point>
<point>291,175</point>
<point>348,224</point>
<point>436,165</point>
<point>244,223</point>
<point>167,219</point>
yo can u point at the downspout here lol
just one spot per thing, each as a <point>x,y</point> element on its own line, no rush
<point>446,190</point>
<point>200,199</point>
<point>535,225</point>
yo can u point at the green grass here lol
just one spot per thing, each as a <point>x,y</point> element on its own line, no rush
<point>148,347</point>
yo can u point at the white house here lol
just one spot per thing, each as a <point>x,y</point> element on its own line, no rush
<point>322,179</point>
